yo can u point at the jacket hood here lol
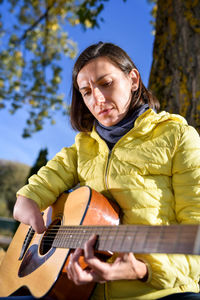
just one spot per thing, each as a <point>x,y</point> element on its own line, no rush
<point>150,119</point>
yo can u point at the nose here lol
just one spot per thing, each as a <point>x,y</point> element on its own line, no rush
<point>98,96</point>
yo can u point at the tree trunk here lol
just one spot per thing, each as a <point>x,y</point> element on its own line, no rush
<point>175,73</point>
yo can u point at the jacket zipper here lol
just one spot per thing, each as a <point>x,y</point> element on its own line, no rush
<point>109,155</point>
<point>106,173</point>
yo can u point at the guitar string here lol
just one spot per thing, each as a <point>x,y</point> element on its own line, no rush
<point>72,244</point>
<point>119,229</point>
<point>118,248</point>
<point>48,240</point>
<point>58,232</point>
<point>104,236</point>
<point>123,227</point>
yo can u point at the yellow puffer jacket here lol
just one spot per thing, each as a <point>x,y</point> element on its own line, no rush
<point>153,172</point>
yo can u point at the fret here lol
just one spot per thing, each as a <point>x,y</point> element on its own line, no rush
<point>59,240</point>
<point>115,244</point>
<point>100,244</point>
<point>75,238</point>
<point>168,239</point>
<point>179,241</point>
<point>107,240</point>
<point>127,239</point>
<point>146,235</point>
<point>56,240</point>
<point>186,239</point>
<point>152,239</point>
<point>62,237</point>
<point>176,239</point>
<point>68,241</point>
<point>140,238</point>
<point>196,248</point>
<point>81,240</point>
<point>93,230</point>
<point>85,236</point>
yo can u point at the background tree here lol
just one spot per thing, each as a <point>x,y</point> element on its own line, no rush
<point>12,177</point>
<point>40,162</point>
<point>34,38</point>
<point>175,73</point>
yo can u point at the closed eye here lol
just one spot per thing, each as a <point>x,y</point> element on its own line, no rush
<point>86,93</point>
<point>108,83</point>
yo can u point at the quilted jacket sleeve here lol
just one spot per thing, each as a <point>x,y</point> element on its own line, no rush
<point>58,175</point>
<point>186,177</point>
<point>169,271</point>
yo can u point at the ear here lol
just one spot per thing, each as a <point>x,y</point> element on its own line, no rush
<point>135,78</point>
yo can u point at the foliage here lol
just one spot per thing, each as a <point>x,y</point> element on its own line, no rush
<point>33,41</point>
<point>12,176</point>
<point>153,13</point>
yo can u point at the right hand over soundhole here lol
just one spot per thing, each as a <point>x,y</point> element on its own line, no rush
<point>27,211</point>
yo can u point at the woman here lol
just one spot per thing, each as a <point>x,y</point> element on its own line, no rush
<point>147,162</point>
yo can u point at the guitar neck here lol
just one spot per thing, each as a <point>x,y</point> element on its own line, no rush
<point>183,239</point>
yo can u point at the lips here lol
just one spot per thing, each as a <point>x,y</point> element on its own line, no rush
<point>105,111</point>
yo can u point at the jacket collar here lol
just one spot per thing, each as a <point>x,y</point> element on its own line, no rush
<point>144,124</point>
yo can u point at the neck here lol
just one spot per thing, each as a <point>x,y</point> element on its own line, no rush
<point>112,134</point>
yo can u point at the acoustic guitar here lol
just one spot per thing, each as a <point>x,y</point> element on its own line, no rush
<point>37,263</point>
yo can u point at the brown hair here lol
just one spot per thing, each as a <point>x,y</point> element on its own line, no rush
<point>81,117</point>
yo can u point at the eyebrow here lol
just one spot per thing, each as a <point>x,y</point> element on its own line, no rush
<point>98,79</point>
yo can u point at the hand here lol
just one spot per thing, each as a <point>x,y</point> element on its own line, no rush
<point>125,267</point>
<point>28,212</point>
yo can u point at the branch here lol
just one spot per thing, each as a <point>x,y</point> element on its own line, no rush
<point>45,15</point>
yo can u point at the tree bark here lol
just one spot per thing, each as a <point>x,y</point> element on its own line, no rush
<point>175,73</point>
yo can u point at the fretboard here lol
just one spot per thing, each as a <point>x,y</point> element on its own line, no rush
<point>132,238</point>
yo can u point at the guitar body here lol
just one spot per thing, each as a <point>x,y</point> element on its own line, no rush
<point>42,270</point>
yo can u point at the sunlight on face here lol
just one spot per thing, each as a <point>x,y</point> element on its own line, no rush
<point>106,90</point>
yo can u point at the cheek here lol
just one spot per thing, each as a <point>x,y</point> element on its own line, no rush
<point>124,98</point>
<point>125,91</point>
<point>89,105</point>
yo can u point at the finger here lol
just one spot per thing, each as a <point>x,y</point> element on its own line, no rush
<point>89,247</point>
<point>81,276</point>
<point>38,224</point>
<point>73,258</point>
<point>99,269</point>
<point>76,254</point>
<point>125,257</point>
<point>77,274</point>
<point>73,271</point>
<point>89,256</point>
<point>69,273</point>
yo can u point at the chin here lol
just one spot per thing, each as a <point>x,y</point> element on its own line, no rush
<point>108,124</point>
<point>109,121</point>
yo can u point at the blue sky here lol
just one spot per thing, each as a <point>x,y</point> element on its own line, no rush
<point>125,24</point>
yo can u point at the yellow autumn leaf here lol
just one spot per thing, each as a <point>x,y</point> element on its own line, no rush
<point>32,102</point>
<point>18,54</point>
<point>76,22</point>
<point>54,26</point>
<point>1,83</point>
<point>88,24</point>
<point>17,88</point>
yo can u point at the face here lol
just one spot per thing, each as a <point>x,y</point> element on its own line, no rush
<point>106,90</point>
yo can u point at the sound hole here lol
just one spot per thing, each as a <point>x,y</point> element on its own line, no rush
<point>49,236</point>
